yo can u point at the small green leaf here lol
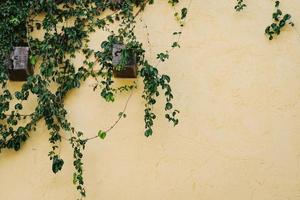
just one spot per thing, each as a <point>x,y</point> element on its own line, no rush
<point>74,178</point>
<point>32,60</point>
<point>18,106</point>
<point>101,134</point>
<point>148,132</point>
<point>183,13</point>
<point>168,106</point>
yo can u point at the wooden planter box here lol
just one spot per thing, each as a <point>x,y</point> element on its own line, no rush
<point>130,69</point>
<point>18,65</point>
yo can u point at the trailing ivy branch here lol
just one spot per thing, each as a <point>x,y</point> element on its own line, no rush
<point>54,54</point>
<point>280,20</point>
<point>153,80</point>
<point>102,134</point>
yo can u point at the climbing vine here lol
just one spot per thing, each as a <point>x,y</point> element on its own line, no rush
<point>280,20</point>
<point>66,26</point>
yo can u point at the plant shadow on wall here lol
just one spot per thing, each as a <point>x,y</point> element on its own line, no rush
<point>121,55</point>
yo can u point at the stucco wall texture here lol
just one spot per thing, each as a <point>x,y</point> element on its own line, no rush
<point>239,131</point>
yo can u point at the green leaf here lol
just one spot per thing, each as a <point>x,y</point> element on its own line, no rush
<point>74,178</point>
<point>148,132</point>
<point>183,13</point>
<point>287,17</point>
<point>169,106</point>
<point>101,134</point>
<point>32,60</point>
<point>18,106</point>
<point>57,164</point>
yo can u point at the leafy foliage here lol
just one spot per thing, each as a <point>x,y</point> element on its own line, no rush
<point>53,55</point>
<point>240,5</point>
<point>280,21</point>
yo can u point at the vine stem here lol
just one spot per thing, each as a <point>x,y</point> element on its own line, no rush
<point>27,29</point>
<point>141,9</point>
<point>27,35</point>
<point>117,121</point>
<point>179,36</point>
<point>22,115</point>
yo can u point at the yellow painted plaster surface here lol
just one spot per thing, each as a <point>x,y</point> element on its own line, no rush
<point>239,134</point>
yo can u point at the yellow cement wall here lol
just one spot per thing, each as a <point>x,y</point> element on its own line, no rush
<point>239,134</point>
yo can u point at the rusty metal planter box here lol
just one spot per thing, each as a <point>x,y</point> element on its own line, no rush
<point>18,65</point>
<point>130,69</point>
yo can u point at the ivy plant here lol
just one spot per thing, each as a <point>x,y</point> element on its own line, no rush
<point>53,56</point>
<point>280,20</point>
